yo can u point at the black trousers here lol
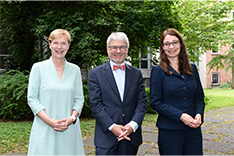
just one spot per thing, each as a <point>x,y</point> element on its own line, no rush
<point>123,147</point>
<point>180,142</point>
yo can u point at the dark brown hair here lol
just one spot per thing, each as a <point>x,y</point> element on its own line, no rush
<point>184,65</point>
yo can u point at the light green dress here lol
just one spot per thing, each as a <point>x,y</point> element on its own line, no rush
<point>45,91</point>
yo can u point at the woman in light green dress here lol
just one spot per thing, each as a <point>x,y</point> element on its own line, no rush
<point>55,95</point>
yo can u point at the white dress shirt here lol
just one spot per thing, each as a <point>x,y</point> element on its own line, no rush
<point>119,76</point>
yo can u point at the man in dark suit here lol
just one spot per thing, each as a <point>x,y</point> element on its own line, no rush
<point>117,100</point>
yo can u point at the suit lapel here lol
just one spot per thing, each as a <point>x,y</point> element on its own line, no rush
<point>128,79</point>
<point>110,78</point>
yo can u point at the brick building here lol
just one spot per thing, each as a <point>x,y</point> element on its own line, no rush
<point>212,77</point>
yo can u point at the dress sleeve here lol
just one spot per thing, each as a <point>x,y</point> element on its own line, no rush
<point>79,97</point>
<point>34,90</point>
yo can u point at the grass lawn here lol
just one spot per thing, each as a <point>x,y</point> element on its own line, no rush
<point>219,98</point>
<point>14,136</point>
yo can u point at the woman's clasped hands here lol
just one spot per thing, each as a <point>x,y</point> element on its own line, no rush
<point>191,122</point>
<point>63,124</point>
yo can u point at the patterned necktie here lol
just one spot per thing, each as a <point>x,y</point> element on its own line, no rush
<point>115,67</point>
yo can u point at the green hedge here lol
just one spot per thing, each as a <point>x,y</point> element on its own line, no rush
<point>13,95</point>
<point>149,108</point>
<point>86,112</point>
<point>227,85</point>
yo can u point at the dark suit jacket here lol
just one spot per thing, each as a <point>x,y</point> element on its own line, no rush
<point>107,107</point>
<point>172,95</point>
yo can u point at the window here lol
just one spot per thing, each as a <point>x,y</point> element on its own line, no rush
<point>145,61</point>
<point>215,79</point>
<point>215,48</point>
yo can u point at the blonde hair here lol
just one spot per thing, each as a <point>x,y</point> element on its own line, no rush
<point>57,33</point>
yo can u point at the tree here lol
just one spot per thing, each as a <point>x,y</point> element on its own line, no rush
<point>16,33</point>
<point>225,61</point>
<point>26,27</point>
<point>205,22</point>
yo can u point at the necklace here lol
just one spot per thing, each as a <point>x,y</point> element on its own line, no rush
<point>59,69</point>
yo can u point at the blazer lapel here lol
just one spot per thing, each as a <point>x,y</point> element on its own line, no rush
<point>110,78</point>
<point>186,76</point>
<point>173,71</point>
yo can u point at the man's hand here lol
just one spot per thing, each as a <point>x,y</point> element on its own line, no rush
<point>121,132</point>
<point>117,130</point>
<point>126,132</point>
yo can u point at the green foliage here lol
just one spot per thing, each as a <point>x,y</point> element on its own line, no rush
<point>227,85</point>
<point>86,112</point>
<point>13,95</point>
<point>26,25</point>
<point>149,108</point>
<point>207,24</point>
<point>16,34</point>
<point>224,61</point>
<point>203,23</point>
<point>207,100</point>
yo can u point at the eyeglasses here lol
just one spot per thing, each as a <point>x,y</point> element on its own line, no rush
<point>115,48</point>
<point>174,43</point>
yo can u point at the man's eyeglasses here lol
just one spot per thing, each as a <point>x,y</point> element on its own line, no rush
<point>115,48</point>
<point>174,43</point>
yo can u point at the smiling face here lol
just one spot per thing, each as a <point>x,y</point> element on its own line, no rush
<point>59,47</point>
<point>117,51</point>
<point>171,46</point>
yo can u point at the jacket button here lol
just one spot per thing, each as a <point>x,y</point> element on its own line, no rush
<point>184,87</point>
<point>184,99</point>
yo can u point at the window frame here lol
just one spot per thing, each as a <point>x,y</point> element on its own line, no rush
<point>148,59</point>
<point>215,73</point>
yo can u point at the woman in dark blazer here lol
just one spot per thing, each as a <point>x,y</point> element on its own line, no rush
<point>177,95</point>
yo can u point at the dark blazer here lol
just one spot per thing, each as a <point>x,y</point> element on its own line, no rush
<point>172,95</point>
<point>107,107</point>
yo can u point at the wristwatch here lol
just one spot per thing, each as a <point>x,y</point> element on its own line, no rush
<point>74,119</point>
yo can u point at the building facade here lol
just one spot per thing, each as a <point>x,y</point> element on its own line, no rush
<point>212,78</point>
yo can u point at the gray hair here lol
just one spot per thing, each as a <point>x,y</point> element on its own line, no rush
<point>121,36</point>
